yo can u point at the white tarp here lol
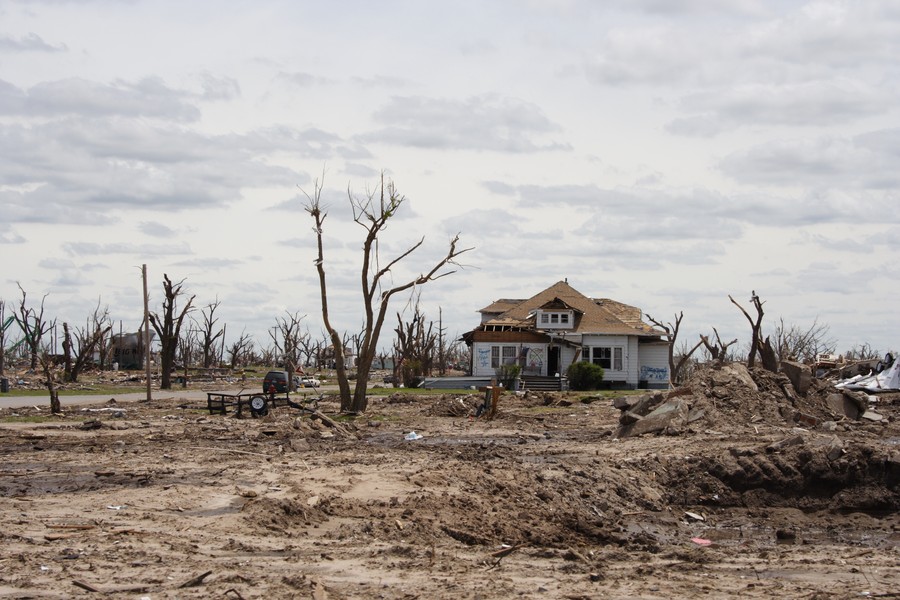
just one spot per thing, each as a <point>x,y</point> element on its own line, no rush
<point>887,380</point>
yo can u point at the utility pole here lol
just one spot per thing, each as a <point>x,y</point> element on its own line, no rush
<point>442,355</point>
<point>222,352</point>
<point>146,330</point>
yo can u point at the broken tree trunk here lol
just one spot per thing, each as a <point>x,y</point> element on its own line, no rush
<point>768,357</point>
<point>755,326</point>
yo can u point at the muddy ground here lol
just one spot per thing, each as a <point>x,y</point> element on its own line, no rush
<point>163,500</point>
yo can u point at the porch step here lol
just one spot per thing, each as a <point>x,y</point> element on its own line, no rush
<point>544,384</point>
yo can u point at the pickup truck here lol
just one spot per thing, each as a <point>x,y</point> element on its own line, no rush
<point>307,382</point>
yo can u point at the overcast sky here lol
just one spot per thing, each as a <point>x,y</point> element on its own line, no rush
<point>663,153</point>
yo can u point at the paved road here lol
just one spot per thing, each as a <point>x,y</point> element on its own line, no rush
<point>12,401</point>
<point>194,395</point>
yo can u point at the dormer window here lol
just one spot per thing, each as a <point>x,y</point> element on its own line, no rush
<point>548,319</point>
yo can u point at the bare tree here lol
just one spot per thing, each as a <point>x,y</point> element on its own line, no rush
<point>415,345</point>
<point>794,343</point>
<point>718,351</point>
<point>441,344</point>
<point>268,355</point>
<point>689,362</point>
<point>87,340</point>
<point>67,352</point>
<point>381,359</point>
<point>288,339</point>
<point>672,329</point>
<point>208,333</point>
<point>33,325</point>
<point>5,324</point>
<point>46,362</point>
<point>314,350</point>
<point>308,350</point>
<point>239,349</point>
<point>168,328</point>
<point>188,348</point>
<point>862,352</point>
<point>459,356</point>
<point>372,213</point>
<point>758,345</point>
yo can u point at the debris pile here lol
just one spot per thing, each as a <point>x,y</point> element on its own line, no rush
<point>731,395</point>
<point>454,406</point>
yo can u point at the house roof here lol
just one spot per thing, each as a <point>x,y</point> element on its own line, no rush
<point>592,315</point>
<point>499,306</point>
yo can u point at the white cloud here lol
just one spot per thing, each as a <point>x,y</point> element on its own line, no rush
<point>479,123</point>
<point>30,42</point>
<point>805,104</point>
<point>157,229</point>
<point>146,98</point>
<point>663,153</point>
<point>866,162</point>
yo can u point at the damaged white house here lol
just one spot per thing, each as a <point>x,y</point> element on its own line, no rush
<point>546,333</point>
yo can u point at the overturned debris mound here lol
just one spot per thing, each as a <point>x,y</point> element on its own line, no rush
<point>724,396</point>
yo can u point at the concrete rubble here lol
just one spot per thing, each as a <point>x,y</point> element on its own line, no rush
<point>736,394</point>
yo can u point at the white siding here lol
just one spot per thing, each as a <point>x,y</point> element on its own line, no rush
<point>655,364</point>
<point>566,356</point>
<point>628,344</point>
<point>535,358</point>
<point>481,359</point>
<point>640,362</point>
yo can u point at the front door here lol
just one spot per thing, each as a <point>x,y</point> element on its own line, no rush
<point>553,361</point>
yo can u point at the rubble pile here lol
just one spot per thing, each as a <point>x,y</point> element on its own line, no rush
<point>731,395</point>
<point>449,405</point>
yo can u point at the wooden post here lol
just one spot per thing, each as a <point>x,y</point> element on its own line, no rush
<point>495,401</point>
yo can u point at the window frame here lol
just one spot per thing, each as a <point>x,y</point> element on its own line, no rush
<point>504,354</point>
<point>610,358</point>
<point>556,319</point>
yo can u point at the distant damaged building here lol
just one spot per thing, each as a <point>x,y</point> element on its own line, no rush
<point>127,349</point>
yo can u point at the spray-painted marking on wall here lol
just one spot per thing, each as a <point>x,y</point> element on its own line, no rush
<point>535,358</point>
<point>655,373</point>
<point>484,357</point>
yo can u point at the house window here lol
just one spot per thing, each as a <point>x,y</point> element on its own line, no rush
<point>555,320</point>
<point>503,355</point>
<point>609,358</point>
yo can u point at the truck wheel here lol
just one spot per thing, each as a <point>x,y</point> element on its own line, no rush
<point>258,406</point>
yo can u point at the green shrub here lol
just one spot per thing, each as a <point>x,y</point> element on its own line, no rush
<point>412,373</point>
<point>584,376</point>
<point>507,375</point>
